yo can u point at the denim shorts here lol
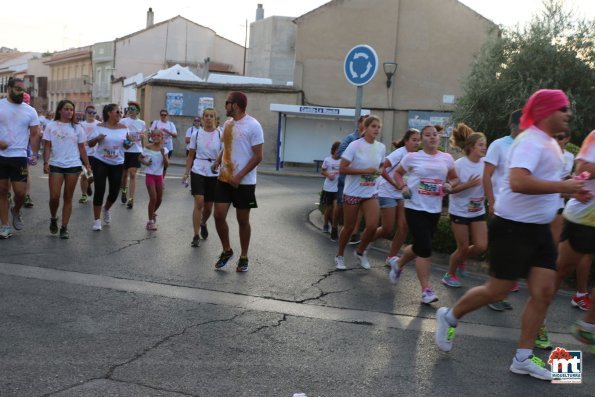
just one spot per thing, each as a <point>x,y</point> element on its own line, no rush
<point>387,202</point>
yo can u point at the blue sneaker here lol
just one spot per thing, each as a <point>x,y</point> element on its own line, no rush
<point>451,280</point>
<point>242,264</point>
<point>223,259</point>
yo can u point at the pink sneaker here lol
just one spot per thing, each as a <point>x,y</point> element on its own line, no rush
<point>515,287</point>
<point>583,302</point>
<point>151,225</point>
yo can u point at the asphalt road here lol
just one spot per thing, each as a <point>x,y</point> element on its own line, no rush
<point>127,312</point>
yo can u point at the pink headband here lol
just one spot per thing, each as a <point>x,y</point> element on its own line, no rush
<point>541,104</point>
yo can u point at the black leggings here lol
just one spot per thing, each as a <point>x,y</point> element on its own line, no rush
<point>103,172</point>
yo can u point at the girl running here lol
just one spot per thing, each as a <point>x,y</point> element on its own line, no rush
<point>466,203</point>
<point>362,163</point>
<point>330,169</point>
<point>391,199</point>
<point>155,159</point>
<point>431,174</point>
<point>64,147</point>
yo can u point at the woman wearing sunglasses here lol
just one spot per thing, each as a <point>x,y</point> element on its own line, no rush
<point>88,125</point>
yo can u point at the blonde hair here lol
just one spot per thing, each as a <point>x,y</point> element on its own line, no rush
<point>472,140</point>
<point>460,134</point>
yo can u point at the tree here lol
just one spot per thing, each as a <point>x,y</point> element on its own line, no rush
<point>555,50</point>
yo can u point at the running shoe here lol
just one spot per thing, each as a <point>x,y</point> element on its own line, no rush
<point>97,225</point>
<point>532,366</point>
<point>195,241</point>
<point>584,332</point>
<point>17,220</point>
<point>107,218</point>
<point>428,296</point>
<point>53,225</point>
<point>5,231</point>
<point>130,204</point>
<point>334,234</point>
<point>543,341</point>
<point>355,239</point>
<point>151,225</point>
<point>64,235</point>
<point>223,259</point>
<point>362,259</point>
<point>242,265</point>
<point>28,203</point>
<point>340,263</point>
<point>451,281</point>
<point>582,302</point>
<point>390,259</point>
<point>204,232</point>
<point>124,196</point>
<point>326,229</point>
<point>395,271</point>
<point>445,333</point>
<point>462,270</point>
<point>83,199</point>
<point>515,287</point>
<point>500,306</point>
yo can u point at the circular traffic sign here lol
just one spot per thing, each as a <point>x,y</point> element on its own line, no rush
<point>361,64</point>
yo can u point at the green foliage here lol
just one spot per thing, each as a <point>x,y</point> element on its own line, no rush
<point>555,50</point>
<point>572,148</point>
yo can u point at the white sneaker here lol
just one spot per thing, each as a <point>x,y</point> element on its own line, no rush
<point>363,259</point>
<point>445,332</point>
<point>428,296</point>
<point>107,218</point>
<point>390,260</point>
<point>395,270</point>
<point>97,225</point>
<point>532,366</point>
<point>340,263</point>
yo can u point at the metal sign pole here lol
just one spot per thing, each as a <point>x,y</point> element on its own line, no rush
<point>359,94</point>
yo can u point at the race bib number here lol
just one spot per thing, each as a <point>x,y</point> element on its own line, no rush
<point>430,187</point>
<point>475,204</point>
<point>110,152</point>
<point>367,180</point>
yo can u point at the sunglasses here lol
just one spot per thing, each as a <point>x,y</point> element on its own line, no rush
<point>564,109</point>
<point>132,109</point>
<point>18,89</point>
<point>91,112</point>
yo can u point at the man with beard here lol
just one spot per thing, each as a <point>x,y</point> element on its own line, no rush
<point>520,239</point>
<point>18,123</point>
<point>242,152</point>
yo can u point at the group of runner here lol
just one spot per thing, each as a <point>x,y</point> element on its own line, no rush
<point>524,181</point>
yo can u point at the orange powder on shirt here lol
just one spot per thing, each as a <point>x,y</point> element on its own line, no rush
<point>227,166</point>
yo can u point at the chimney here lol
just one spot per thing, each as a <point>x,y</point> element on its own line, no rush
<point>259,12</point>
<point>150,17</point>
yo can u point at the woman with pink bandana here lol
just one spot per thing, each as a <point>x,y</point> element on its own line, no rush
<point>520,240</point>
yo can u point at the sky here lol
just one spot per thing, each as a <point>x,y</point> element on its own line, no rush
<point>48,26</point>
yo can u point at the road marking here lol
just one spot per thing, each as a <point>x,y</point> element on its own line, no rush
<point>199,295</point>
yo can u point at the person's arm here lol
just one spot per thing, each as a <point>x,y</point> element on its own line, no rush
<point>165,158</point>
<point>585,166</point>
<point>522,181</point>
<point>386,176</point>
<point>452,181</point>
<point>252,163</point>
<point>35,139</point>
<point>189,161</point>
<point>488,188</point>
<point>344,168</point>
<point>473,181</point>
<point>47,149</point>
<point>83,155</point>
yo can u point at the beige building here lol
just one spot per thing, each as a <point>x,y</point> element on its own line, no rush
<point>433,42</point>
<point>70,77</point>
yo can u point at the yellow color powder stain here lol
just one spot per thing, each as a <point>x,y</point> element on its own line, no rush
<point>227,166</point>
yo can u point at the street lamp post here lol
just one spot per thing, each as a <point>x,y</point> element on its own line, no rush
<point>390,68</point>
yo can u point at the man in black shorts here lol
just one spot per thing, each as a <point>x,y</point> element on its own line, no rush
<point>519,236</point>
<point>242,152</point>
<point>18,124</point>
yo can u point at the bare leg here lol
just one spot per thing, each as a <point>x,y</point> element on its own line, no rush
<point>220,216</point>
<point>243,217</point>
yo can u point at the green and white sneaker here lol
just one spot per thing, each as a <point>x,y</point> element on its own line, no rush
<point>543,341</point>
<point>445,333</point>
<point>532,366</point>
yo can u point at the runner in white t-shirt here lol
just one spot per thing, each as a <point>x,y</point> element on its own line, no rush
<point>18,125</point>
<point>136,132</point>
<point>431,175</point>
<point>243,138</point>
<point>64,147</point>
<point>392,204</point>
<point>169,133</point>
<point>110,140</point>
<point>196,124</point>
<point>466,204</point>
<point>330,170</point>
<point>88,126</point>
<point>520,239</point>
<point>205,146</point>
<point>362,164</point>
<point>155,159</point>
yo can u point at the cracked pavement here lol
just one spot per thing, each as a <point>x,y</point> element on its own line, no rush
<point>125,312</point>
